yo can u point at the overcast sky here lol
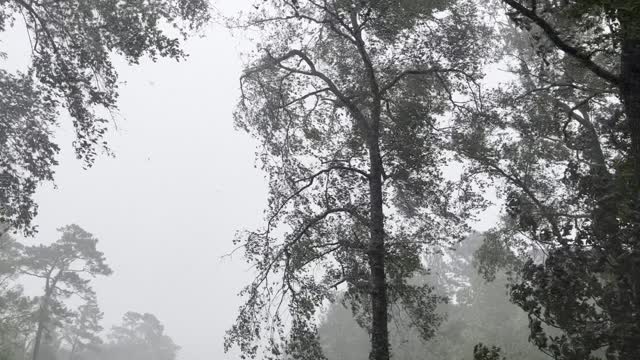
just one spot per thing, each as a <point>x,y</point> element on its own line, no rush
<point>166,207</point>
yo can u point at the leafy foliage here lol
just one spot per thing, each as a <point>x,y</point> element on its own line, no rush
<point>72,43</point>
<point>27,115</point>
<point>482,352</point>
<point>340,104</point>
<point>559,140</point>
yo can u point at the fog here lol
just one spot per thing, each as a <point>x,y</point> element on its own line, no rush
<point>178,185</point>
<point>167,205</point>
<point>180,181</point>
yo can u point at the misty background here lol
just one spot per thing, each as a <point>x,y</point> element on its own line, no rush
<point>167,205</point>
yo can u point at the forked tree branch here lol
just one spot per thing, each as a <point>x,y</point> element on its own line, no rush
<point>313,72</point>
<point>568,49</point>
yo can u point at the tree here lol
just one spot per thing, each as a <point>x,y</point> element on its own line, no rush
<point>141,336</point>
<point>71,45</point>
<point>16,309</point>
<point>64,267</point>
<point>600,36</point>
<point>84,329</point>
<point>16,322</point>
<point>482,352</point>
<point>341,95</point>
<point>558,142</point>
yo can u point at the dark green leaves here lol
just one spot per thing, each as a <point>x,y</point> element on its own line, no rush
<point>28,114</point>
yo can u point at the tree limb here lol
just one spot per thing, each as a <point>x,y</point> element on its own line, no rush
<point>570,50</point>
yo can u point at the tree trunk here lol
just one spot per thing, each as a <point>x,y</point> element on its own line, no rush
<point>630,93</point>
<point>379,330</point>
<point>36,342</point>
<point>630,82</point>
<point>73,348</point>
<point>42,317</point>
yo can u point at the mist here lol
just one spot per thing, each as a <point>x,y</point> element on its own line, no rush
<point>290,180</point>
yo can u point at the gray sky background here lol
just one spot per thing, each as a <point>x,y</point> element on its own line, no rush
<point>166,207</point>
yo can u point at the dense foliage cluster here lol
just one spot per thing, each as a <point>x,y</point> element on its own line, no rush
<point>341,94</point>
<point>71,68</point>
<point>561,140</point>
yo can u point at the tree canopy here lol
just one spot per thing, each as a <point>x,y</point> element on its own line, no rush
<point>380,137</point>
<point>72,44</point>
<point>340,95</point>
<point>560,141</point>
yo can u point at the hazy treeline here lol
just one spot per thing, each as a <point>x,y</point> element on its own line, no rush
<point>64,320</point>
<point>477,312</point>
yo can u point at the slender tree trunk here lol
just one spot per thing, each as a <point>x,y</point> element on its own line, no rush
<point>36,342</point>
<point>73,348</point>
<point>376,251</point>
<point>42,317</point>
<point>378,281</point>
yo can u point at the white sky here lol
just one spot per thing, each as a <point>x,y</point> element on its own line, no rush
<point>166,207</point>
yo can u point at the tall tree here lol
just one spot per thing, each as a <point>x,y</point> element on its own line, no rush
<point>345,97</point>
<point>558,143</point>
<point>71,43</point>
<point>66,267</point>
<point>602,36</point>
